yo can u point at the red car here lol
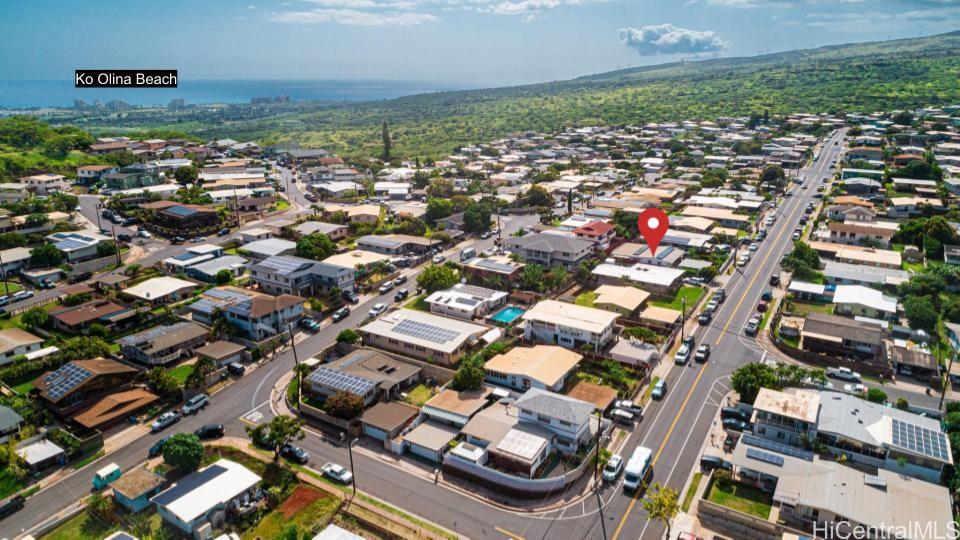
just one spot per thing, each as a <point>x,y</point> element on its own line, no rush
<point>762,307</point>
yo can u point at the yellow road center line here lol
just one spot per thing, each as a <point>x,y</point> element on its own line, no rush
<point>509,534</point>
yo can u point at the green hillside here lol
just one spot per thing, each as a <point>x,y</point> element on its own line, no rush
<point>856,77</point>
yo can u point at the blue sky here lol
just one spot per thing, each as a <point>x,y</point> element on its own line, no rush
<point>476,42</point>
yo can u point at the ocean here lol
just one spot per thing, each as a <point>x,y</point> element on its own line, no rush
<point>34,94</point>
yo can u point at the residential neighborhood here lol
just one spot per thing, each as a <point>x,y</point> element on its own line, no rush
<point>494,328</point>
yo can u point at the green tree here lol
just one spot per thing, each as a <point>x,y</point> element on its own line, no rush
<point>921,313</point>
<point>315,246</point>
<point>537,196</point>
<point>36,220</point>
<point>348,335</point>
<point>440,188</point>
<point>476,218</point>
<point>470,373</point>
<point>345,405</point>
<point>748,379</point>
<point>163,382</point>
<point>437,277</point>
<point>438,209</point>
<point>186,175</point>
<point>876,395</point>
<point>531,277</point>
<point>201,368</point>
<point>11,240</point>
<point>902,404</point>
<point>280,430</point>
<point>106,248</point>
<point>773,174</point>
<point>183,451</point>
<point>803,262</point>
<point>83,348</point>
<point>35,317</point>
<point>46,255</point>
<point>223,277</point>
<point>662,503</point>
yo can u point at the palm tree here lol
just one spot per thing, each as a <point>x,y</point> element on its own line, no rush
<point>198,377</point>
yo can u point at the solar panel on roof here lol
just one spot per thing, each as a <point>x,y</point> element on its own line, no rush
<point>493,265</point>
<point>64,380</point>
<point>875,481</point>
<point>775,446</point>
<point>920,440</point>
<point>766,457</point>
<point>425,331</point>
<point>282,265</point>
<point>467,301</point>
<point>339,380</point>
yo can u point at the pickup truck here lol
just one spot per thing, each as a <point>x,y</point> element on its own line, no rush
<point>843,373</point>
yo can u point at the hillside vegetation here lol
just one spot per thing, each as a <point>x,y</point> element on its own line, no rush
<point>858,77</point>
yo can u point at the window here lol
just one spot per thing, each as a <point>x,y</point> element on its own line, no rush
<point>544,419</point>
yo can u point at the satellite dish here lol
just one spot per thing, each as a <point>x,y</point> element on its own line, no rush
<point>147,294</point>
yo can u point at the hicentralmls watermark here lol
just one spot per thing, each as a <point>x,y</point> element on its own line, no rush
<point>126,78</point>
<point>916,530</point>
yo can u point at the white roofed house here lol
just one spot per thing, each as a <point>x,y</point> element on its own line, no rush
<point>161,290</point>
<point>569,325</point>
<point>658,280</point>
<point>299,276</point>
<point>550,250</point>
<point>858,300</point>
<point>425,336</point>
<point>212,495</point>
<point>542,366</point>
<point>77,246</point>
<point>466,301</point>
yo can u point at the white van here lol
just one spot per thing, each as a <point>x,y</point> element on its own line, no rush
<point>637,468</point>
<point>467,253</point>
<point>622,417</point>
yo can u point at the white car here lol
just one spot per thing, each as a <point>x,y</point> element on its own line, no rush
<point>613,468</point>
<point>855,388</point>
<point>437,259</point>
<point>166,419</point>
<point>754,246</point>
<point>194,404</point>
<point>144,234</point>
<point>337,472</point>
<point>377,309</point>
<point>682,356</point>
<point>796,236</point>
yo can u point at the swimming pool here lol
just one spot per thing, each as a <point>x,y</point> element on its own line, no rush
<point>508,314</point>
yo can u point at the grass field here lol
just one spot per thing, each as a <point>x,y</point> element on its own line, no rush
<point>690,293</point>
<point>315,513</point>
<point>418,395</point>
<point>9,484</point>
<point>180,373</point>
<point>586,299</point>
<point>418,303</point>
<point>83,526</point>
<point>691,491</point>
<point>9,287</point>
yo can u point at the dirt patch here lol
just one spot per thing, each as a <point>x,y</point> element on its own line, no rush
<point>301,497</point>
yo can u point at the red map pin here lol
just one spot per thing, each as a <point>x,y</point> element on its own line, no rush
<point>653,224</point>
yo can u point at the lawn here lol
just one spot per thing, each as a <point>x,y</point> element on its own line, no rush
<point>913,267</point>
<point>180,373</point>
<point>586,299</point>
<point>306,507</point>
<point>691,491</point>
<point>418,303</point>
<point>9,287</point>
<point>690,293</point>
<point>418,395</point>
<point>24,388</point>
<point>740,497</point>
<point>8,484</point>
<point>282,205</point>
<point>83,526</point>
<point>646,391</point>
<point>801,309</point>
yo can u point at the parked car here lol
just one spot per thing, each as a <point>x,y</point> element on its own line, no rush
<point>386,287</point>
<point>223,232</point>
<point>402,294</point>
<point>613,468</point>
<point>309,324</point>
<point>720,295</point>
<point>709,463</point>
<point>682,356</point>
<point>340,314</point>
<point>337,472</point>
<point>659,390</point>
<point>843,373</point>
<point>734,412</point>
<point>236,369</point>
<point>124,237</point>
<point>854,388</point>
<point>157,447</point>
<point>142,233</point>
<point>400,280</point>
<point>377,309</point>
<point>754,246</point>
<point>703,353</point>
<point>295,453</point>
<point>210,431</point>
<point>194,404</point>
<point>197,239</point>
<point>484,235</point>
<point>438,258</point>
<point>775,279</point>
<point>766,296</point>
<point>164,420</point>
<point>628,405</point>
<point>796,236</point>
<point>11,505</point>
<point>178,240</point>
<point>351,297</point>
<point>736,425</point>
<point>762,306</point>
<point>705,318</point>
<point>752,326</point>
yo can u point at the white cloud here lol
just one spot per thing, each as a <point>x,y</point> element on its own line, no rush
<point>353,17</point>
<point>668,39</point>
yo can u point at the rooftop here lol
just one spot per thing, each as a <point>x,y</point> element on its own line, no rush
<point>571,315</point>
<point>557,406</point>
<point>629,298</point>
<point>799,405</point>
<point>198,492</point>
<point>434,332</point>
<point>547,364</point>
<point>388,416</point>
<point>159,287</point>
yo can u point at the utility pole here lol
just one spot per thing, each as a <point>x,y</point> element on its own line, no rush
<point>113,231</point>
<point>3,272</point>
<point>296,361</point>
<point>346,437</point>
<point>683,316</point>
<point>597,479</point>
<point>97,209</point>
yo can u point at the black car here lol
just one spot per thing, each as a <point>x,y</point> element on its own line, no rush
<point>705,318</point>
<point>124,237</point>
<point>157,447</point>
<point>177,240</point>
<point>775,280</point>
<point>223,232</point>
<point>295,453</point>
<point>709,463</point>
<point>736,425</point>
<point>210,431</point>
<point>11,505</point>
<point>340,314</point>
<point>689,342</point>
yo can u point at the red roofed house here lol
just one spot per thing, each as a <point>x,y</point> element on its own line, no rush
<point>598,232</point>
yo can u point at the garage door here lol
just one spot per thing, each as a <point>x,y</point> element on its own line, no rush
<point>376,433</point>
<point>423,452</point>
